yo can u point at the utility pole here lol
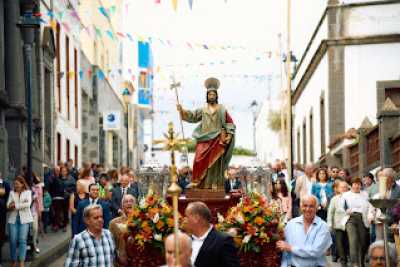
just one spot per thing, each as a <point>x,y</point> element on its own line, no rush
<point>28,23</point>
<point>289,95</point>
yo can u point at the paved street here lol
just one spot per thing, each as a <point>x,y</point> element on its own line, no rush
<point>59,262</point>
<point>51,245</point>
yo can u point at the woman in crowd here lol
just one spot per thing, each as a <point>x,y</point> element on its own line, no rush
<point>323,191</point>
<point>368,181</point>
<point>356,205</point>
<point>336,217</point>
<point>281,196</point>
<point>74,200</point>
<point>36,209</point>
<point>20,216</point>
<point>87,179</point>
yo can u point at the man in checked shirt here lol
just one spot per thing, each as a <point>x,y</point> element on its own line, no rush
<point>94,247</point>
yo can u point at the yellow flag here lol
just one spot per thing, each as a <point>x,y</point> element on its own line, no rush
<point>71,74</point>
<point>175,4</point>
<point>53,24</point>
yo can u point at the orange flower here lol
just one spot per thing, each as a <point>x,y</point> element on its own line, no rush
<point>259,220</point>
<point>251,229</point>
<point>170,222</point>
<point>160,224</point>
<point>268,212</point>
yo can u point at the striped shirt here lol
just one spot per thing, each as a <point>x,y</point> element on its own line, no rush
<point>86,251</point>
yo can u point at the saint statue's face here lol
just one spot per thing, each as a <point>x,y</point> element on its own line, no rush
<point>212,97</point>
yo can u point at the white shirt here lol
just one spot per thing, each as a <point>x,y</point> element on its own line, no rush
<point>93,201</point>
<point>309,184</point>
<point>197,242</point>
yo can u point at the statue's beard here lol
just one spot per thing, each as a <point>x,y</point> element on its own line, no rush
<point>212,101</point>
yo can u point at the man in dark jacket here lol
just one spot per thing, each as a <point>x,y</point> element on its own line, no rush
<point>233,182</point>
<point>211,248</point>
<point>93,199</point>
<point>119,191</point>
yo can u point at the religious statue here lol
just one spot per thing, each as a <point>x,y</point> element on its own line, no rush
<point>215,139</point>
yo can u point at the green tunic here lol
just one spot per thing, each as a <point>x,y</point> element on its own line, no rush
<point>211,124</point>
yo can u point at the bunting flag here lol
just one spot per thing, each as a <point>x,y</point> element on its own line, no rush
<point>104,12</point>
<point>129,37</point>
<point>112,9</point>
<point>121,34</point>
<point>89,72</point>
<point>81,74</point>
<point>98,32</point>
<point>157,1</point>
<point>110,34</point>
<point>100,75</point>
<point>71,74</point>
<point>61,14</point>
<point>175,4</point>
<point>191,4</point>
<point>53,25</point>
<point>50,14</point>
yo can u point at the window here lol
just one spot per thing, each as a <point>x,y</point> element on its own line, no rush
<point>68,147</point>
<point>322,124</point>
<point>76,155</point>
<point>48,110</point>
<point>298,146</point>
<point>58,66</point>
<point>58,147</point>
<point>304,143</point>
<point>76,88</point>
<point>143,79</point>
<point>67,70</point>
<point>311,137</point>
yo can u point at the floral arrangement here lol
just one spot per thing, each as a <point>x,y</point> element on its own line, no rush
<point>252,223</point>
<point>151,222</point>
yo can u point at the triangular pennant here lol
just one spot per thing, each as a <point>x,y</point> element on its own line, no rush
<point>157,1</point>
<point>175,4</point>
<point>110,34</point>
<point>98,32</point>
<point>191,4</point>
<point>103,11</point>
<point>112,9</point>
<point>81,74</point>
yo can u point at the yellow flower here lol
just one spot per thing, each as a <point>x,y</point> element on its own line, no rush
<point>259,220</point>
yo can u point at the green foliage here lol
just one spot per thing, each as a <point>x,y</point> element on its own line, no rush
<point>240,151</point>
<point>274,120</point>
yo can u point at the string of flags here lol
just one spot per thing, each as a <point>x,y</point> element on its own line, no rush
<point>97,32</point>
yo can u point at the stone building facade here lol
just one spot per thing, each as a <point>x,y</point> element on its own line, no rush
<point>347,71</point>
<point>13,108</point>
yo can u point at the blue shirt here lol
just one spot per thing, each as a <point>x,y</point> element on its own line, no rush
<point>308,249</point>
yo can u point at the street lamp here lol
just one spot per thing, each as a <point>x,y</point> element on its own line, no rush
<point>126,98</point>
<point>28,23</point>
<point>293,63</point>
<point>254,109</point>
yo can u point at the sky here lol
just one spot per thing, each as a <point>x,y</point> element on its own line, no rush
<point>247,72</point>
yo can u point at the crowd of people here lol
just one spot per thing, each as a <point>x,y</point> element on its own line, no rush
<point>324,209</point>
<point>58,201</point>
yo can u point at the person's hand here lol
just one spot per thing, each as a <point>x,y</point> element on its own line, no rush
<point>348,211</point>
<point>283,246</point>
<point>12,205</point>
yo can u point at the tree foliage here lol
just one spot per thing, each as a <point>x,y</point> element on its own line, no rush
<point>240,151</point>
<point>274,120</point>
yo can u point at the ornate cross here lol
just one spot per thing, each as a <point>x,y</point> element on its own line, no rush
<point>172,143</point>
